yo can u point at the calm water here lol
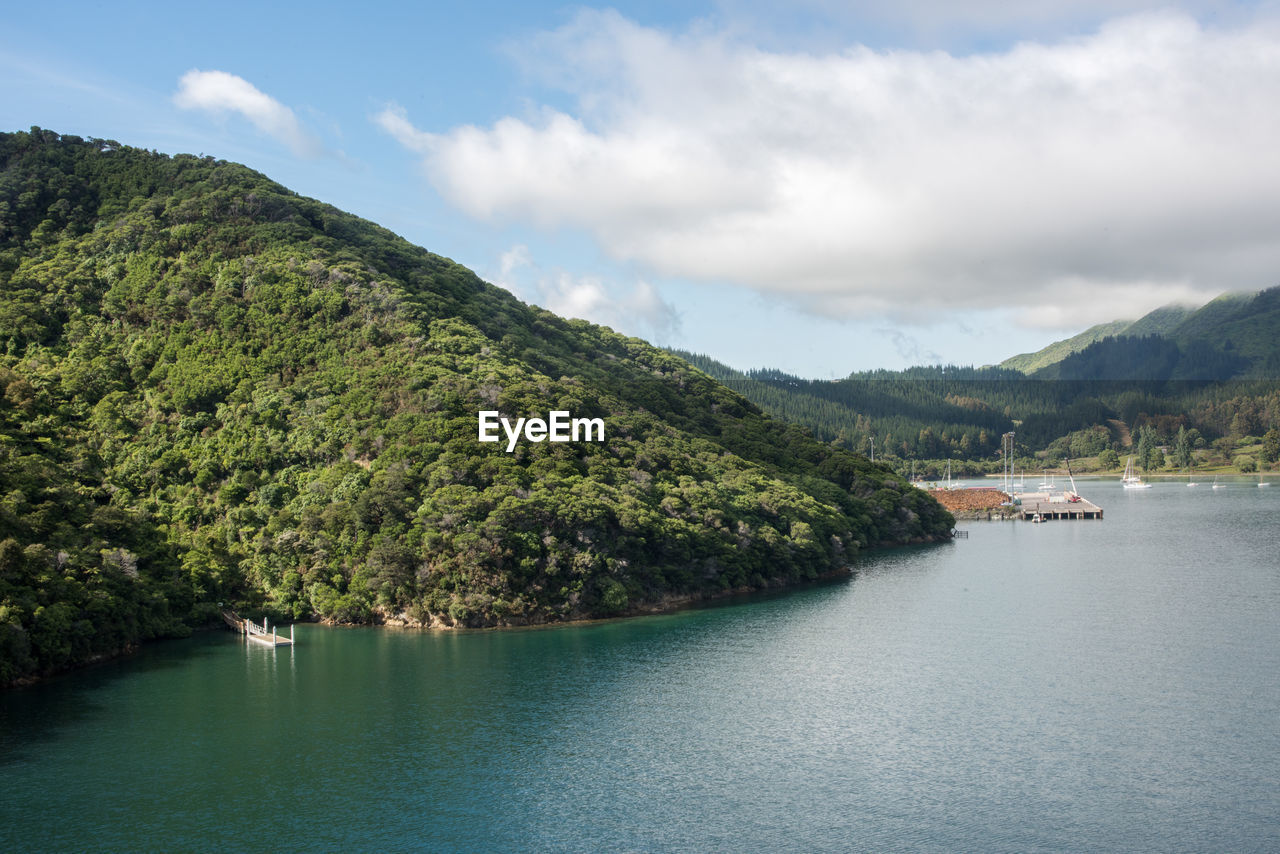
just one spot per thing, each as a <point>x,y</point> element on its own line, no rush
<point>1105,685</point>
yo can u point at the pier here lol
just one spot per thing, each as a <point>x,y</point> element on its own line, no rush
<point>990,503</point>
<point>1054,505</point>
<point>262,634</point>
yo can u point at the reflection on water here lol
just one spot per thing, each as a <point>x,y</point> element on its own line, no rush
<point>1103,685</point>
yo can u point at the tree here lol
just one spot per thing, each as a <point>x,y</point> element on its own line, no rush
<point>1109,459</point>
<point>1271,446</point>
<point>1147,449</point>
<point>1182,449</point>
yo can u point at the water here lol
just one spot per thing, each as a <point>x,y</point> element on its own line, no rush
<point>1104,685</point>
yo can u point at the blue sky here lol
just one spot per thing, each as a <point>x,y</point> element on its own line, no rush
<point>834,187</point>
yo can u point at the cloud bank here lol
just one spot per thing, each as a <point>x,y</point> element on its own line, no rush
<point>1072,181</point>
<point>220,92</point>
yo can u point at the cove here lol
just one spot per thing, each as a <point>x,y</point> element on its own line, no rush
<point>1067,686</point>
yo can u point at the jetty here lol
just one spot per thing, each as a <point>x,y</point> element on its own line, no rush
<point>262,634</point>
<point>991,503</point>
<point>1044,506</point>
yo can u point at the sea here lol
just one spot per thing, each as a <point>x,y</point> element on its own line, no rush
<point>1107,685</point>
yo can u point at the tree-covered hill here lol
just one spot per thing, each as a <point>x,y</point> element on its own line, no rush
<point>928,415</point>
<point>924,413</point>
<point>1235,336</point>
<point>1214,370</point>
<point>1029,363</point>
<point>218,391</point>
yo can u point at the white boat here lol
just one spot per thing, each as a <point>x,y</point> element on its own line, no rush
<point>1217,485</point>
<point>950,483</point>
<point>1131,479</point>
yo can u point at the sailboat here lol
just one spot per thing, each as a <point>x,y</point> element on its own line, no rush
<point>1217,485</point>
<point>1261,482</point>
<point>950,483</point>
<point>1018,485</point>
<point>1131,479</point>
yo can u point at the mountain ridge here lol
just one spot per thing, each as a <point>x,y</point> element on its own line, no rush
<point>1231,336</point>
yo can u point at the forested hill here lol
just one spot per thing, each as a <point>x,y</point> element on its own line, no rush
<point>925,413</point>
<point>929,415</point>
<point>1236,336</point>
<point>217,391</point>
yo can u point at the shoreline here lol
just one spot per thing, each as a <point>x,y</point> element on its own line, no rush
<point>667,605</point>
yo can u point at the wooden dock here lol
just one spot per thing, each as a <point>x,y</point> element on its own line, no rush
<point>1048,506</point>
<point>262,634</point>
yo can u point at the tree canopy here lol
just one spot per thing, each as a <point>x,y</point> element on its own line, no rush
<point>218,391</point>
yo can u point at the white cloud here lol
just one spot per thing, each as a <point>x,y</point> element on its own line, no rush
<point>395,121</point>
<point>220,92</point>
<point>640,310</point>
<point>945,22</point>
<point>1060,179</point>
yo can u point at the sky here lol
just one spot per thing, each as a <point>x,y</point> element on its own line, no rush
<point>821,186</point>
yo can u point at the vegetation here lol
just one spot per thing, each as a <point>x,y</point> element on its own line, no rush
<point>1029,363</point>
<point>923,417</point>
<point>1232,337</point>
<point>216,391</point>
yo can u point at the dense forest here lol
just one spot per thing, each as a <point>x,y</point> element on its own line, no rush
<point>1232,337</point>
<point>933,414</point>
<point>217,392</point>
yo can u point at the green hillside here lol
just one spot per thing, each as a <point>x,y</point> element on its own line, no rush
<point>1233,336</point>
<point>217,391</point>
<point>1160,321</point>
<point>1246,325</point>
<point>1208,320</point>
<point>923,417</point>
<point>922,413</point>
<point>1029,363</point>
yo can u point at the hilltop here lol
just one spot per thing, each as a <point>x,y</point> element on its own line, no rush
<point>218,391</point>
<point>1232,337</point>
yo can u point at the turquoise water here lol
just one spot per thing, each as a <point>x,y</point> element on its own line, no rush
<point>1107,685</point>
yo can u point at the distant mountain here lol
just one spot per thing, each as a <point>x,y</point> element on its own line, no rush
<point>1208,321</point>
<point>215,391</point>
<point>1236,336</point>
<point>1161,321</point>
<point>1029,363</point>
<point>1077,407</point>
<point>1150,358</point>
<point>931,413</point>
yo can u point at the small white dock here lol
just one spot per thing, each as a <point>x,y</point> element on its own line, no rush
<point>262,634</point>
